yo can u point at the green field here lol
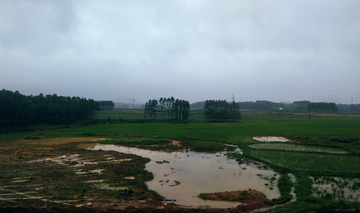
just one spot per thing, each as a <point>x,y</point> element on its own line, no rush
<point>326,145</point>
<point>319,131</point>
<point>310,161</point>
<point>297,148</point>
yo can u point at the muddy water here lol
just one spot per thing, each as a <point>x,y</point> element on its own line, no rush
<point>182,176</point>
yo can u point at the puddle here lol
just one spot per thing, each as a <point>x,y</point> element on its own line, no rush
<point>292,191</point>
<point>182,176</point>
<point>175,143</point>
<point>336,188</point>
<point>270,139</point>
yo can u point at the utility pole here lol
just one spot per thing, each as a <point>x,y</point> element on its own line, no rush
<point>133,104</point>
<point>351,100</point>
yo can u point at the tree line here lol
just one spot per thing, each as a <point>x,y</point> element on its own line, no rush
<point>106,105</point>
<point>268,105</point>
<point>322,107</point>
<point>16,108</point>
<point>167,109</point>
<point>221,110</point>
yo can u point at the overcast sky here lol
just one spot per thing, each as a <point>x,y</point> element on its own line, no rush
<point>190,49</point>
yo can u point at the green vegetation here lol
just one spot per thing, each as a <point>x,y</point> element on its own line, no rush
<point>284,184</point>
<point>310,161</point>
<point>19,109</point>
<point>221,110</point>
<point>322,107</point>
<point>168,109</point>
<point>297,148</point>
<point>126,141</point>
<point>106,105</point>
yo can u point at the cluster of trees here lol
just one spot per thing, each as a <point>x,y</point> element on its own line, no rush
<point>354,107</point>
<point>322,107</point>
<point>106,105</point>
<point>53,109</point>
<point>301,105</point>
<point>168,109</point>
<point>221,109</point>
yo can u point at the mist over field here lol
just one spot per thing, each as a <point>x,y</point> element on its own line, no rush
<point>281,51</point>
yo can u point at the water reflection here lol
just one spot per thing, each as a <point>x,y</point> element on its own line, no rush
<point>182,176</point>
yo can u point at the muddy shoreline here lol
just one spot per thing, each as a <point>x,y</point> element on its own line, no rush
<point>53,175</point>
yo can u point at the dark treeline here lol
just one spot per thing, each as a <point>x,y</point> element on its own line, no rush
<point>269,105</point>
<point>322,107</point>
<point>221,110</point>
<point>168,109</point>
<point>257,105</point>
<point>16,108</point>
<point>301,105</point>
<point>106,105</point>
<point>354,107</point>
<point>260,105</point>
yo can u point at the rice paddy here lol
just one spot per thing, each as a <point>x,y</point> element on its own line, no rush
<point>297,148</point>
<point>310,161</point>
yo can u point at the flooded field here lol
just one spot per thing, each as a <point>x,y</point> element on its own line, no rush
<point>181,176</point>
<point>336,188</point>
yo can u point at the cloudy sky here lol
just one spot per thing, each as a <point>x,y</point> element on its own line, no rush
<point>190,49</point>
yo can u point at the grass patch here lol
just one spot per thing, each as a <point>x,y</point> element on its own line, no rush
<point>136,141</point>
<point>284,184</point>
<point>311,203</point>
<point>32,137</point>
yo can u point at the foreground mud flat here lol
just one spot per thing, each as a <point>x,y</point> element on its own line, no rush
<point>54,175</point>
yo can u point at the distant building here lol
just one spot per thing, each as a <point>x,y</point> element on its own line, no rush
<point>276,108</point>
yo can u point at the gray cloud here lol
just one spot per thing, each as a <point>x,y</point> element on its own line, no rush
<point>193,50</point>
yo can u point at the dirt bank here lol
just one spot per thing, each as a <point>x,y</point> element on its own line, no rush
<point>250,199</point>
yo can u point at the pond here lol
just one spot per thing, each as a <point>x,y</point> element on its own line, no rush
<point>181,176</point>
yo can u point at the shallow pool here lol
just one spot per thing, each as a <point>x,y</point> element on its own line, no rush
<point>181,176</point>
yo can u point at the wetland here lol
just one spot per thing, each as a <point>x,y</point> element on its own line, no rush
<point>183,167</point>
<point>181,176</point>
